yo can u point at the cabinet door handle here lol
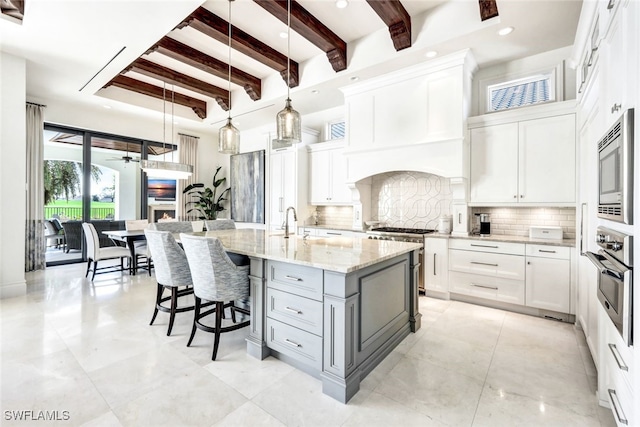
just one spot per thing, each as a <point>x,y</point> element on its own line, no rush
<point>616,107</point>
<point>616,407</point>
<point>294,278</point>
<point>546,252</point>
<point>485,287</point>
<point>434,264</point>
<point>293,343</point>
<point>484,246</point>
<point>280,202</point>
<point>459,217</point>
<point>484,263</point>
<point>334,233</point>
<point>618,357</point>
<point>522,196</point>
<point>610,6</point>
<point>515,197</point>
<point>293,310</point>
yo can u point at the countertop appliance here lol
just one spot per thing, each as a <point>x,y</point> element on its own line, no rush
<point>615,282</point>
<point>414,235</point>
<point>615,171</point>
<point>482,225</point>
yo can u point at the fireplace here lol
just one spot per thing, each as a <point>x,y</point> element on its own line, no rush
<point>158,212</point>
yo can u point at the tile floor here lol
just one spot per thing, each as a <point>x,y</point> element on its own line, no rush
<point>86,350</point>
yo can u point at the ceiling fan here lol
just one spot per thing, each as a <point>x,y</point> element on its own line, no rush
<point>126,158</point>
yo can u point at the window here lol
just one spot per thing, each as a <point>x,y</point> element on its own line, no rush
<point>530,90</point>
<point>336,130</point>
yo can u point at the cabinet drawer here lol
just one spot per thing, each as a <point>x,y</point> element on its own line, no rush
<point>487,246</point>
<point>487,264</point>
<point>615,351</point>
<point>295,279</point>
<point>303,313</point>
<point>546,251</point>
<point>295,343</point>
<point>493,288</point>
<point>619,394</point>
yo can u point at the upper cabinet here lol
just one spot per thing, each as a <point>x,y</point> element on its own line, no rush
<point>527,161</point>
<point>328,174</point>
<point>392,120</point>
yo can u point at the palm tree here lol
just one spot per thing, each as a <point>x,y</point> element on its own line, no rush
<point>63,179</point>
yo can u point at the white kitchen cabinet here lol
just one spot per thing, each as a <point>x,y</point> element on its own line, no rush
<point>328,174</point>
<point>436,264</point>
<point>548,277</point>
<point>531,161</point>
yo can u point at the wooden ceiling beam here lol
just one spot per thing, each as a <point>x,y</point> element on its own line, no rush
<point>170,76</point>
<point>309,27</point>
<point>198,106</point>
<point>190,56</point>
<point>217,28</point>
<point>396,17</point>
<point>13,8</point>
<point>488,9</point>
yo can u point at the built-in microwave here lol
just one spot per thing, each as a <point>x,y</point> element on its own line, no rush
<point>615,177</point>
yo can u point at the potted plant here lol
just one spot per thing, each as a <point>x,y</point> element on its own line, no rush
<point>204,200</point>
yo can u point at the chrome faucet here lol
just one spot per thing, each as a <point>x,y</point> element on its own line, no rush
<point>286,220</point>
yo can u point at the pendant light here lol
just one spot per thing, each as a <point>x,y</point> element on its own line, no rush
<point>288,123</point>
<point>162,168</point>
<point>228,135</point>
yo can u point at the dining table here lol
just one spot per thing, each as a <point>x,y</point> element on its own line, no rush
<point>129,237</point>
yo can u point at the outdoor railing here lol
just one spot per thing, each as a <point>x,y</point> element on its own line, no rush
<point>76,213</point>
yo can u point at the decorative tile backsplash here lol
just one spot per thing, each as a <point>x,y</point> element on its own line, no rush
<point>516,221</point>
<point>410,199</point>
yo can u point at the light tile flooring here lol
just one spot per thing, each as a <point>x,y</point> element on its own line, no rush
<point>86,348</point>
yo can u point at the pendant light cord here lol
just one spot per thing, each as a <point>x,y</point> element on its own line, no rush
<point>173,93</point>
<point>229,80</point>
<point>288,46</point>
<point>164,120</point>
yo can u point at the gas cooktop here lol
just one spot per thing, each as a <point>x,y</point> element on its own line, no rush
<point>402,230</point>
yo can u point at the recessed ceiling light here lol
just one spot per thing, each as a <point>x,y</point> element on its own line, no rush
<point>505,31</point>
<point>315,91</point>
<point>283,35</point>
<point>108,107</point>
<point>341,4</point>
<point>354,78</point>
<point>431,54</point>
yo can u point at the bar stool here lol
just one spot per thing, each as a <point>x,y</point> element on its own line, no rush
<point>215,279</point>
<point>172,273</point>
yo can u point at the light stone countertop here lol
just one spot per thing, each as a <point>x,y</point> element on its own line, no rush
<point>340,254</point>
<point>509,239</point>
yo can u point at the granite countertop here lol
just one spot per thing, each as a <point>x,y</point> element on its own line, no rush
<point>340,254</point>
<point>509,239</point>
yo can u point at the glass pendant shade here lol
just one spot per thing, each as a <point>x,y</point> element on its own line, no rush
<point>289,125</point>
<point>229,139</point>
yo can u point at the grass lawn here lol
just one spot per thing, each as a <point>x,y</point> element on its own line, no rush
<point>78,204</point>
<point>72,209</point>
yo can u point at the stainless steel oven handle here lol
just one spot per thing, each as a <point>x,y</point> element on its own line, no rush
<point>596,261</point>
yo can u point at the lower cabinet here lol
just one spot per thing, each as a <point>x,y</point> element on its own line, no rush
<point>530,275</point>
<point>295,311</point>
<point>436,264</point>
<point>616,373</point>
<point>549,278</point>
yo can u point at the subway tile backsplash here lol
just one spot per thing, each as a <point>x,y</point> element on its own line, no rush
<point>333,216</point>
<point>516,221</point>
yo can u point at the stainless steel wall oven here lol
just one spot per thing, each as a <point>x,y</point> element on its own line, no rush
<point>615,282</point>
<point>615,171</point>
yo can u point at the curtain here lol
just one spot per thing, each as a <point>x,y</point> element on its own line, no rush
<point>187,153</point>
<point>34,229</point>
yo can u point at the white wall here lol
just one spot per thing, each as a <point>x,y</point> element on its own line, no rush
<point>12,175</point>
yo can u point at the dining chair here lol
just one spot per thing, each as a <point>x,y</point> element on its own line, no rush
<point>96,253</point>
<point>172,226</point>
<point>140,248</point>
<point>172,273</point>
<point>215,279</point>
<point>220,224</point>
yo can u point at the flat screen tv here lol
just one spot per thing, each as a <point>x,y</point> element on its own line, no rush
<point>162,189</point>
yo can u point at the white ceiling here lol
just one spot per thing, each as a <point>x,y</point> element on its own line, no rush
<point>67,42</point>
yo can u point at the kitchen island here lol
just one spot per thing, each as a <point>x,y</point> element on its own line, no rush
<point>332,307</point>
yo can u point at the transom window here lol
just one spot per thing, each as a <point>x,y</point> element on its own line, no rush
<point>521,92</point>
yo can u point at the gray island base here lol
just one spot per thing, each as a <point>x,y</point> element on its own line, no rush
<point>333,308</point>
